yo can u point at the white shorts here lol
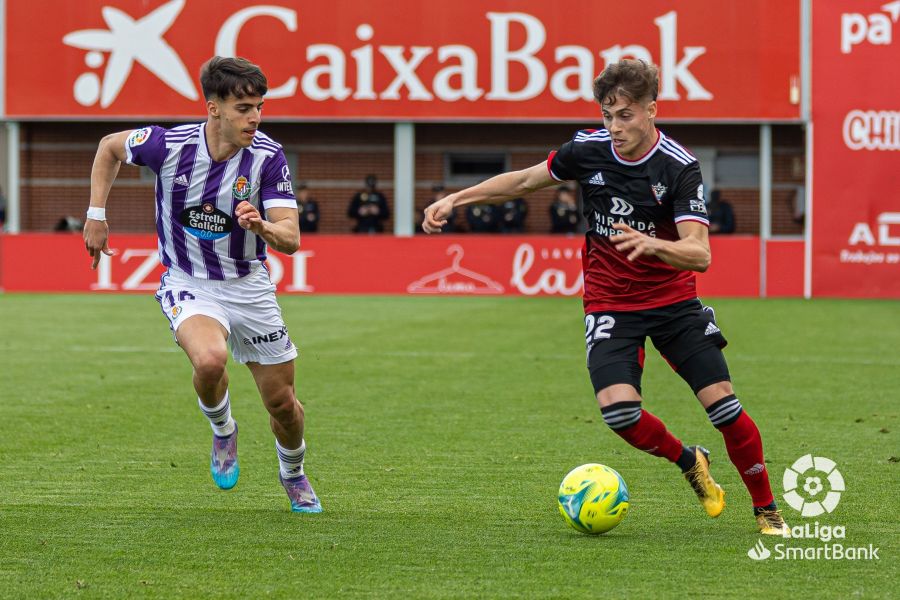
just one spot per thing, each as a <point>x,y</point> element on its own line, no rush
<point>246,308</point>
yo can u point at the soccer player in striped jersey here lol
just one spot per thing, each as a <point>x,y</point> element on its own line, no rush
<point>643,199</point>
<point>223,194</point>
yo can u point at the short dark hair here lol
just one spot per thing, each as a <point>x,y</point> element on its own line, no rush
<point>635,80</point>
<point>238,77</point>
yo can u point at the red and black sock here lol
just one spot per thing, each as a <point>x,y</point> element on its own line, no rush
<point>744,445</point>
<point>643,431</point>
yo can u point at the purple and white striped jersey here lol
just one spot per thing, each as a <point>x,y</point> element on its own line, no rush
<point>196,197</point>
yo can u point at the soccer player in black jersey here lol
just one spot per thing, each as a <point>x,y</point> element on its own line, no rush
<point>647,235</point>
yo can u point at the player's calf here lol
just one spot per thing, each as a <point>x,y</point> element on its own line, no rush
<point>744,445</point>
<point>646,432</point>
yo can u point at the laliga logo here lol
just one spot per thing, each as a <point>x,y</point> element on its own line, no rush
<point>855,28</point>
<point>812,485</point>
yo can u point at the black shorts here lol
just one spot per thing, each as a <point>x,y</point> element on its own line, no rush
<point>681,332</point>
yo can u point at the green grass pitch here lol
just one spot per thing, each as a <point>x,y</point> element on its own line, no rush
<point>439,430</point>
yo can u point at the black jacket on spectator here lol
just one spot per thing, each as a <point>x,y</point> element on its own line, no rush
<point>482,218</point>
<point>309,216</point>
<point>721,214</point>
<point>512,216</point>
<point>563,217</point>
<point>375,204</point>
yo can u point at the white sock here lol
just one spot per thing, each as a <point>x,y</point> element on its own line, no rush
<point>290,462</point>
<point>219,416</point>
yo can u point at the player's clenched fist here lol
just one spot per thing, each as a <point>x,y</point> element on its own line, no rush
<point>248,216</point>
<point>436,215</point>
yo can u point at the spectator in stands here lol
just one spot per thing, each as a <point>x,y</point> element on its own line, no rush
<point>564,211</point>
<point>482,218</point>
<point>720,212</point>
<point>798,205</point>
<point>369,208</point>
<point>69,224</point>
<point>307,209</point>
<point>512,216</point>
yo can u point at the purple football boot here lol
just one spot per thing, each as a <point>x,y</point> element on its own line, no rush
<point>223,462</point>
<point>303,498</point>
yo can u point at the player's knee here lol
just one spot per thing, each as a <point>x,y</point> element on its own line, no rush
<point>210,365</point>
<point>724,412</point>
<point>283,405</point>
<point>621,415</point>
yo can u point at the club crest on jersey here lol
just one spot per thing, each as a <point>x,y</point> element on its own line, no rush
<point>659,190</point>
<point>241,188</point>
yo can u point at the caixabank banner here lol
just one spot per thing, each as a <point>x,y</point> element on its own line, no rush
<point>400,59</point>
<point>856,149</point>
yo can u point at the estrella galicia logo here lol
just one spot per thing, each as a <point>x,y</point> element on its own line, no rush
<point>205,222</point>
<point>241,188</point>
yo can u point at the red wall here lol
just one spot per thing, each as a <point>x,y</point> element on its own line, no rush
<point>463,265</point>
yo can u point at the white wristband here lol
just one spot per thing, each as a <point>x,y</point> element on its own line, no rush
<point>95,213</point>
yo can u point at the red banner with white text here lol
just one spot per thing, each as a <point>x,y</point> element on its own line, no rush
<point>434,265</point>
<point>856,149</point>
<point>401,59</point>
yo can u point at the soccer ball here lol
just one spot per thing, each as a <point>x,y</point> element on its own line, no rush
<point>593,498</point>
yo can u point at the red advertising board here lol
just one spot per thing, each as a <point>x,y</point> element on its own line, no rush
<point>400,59</point>
<point>856,149</point>
<point>433,265</point>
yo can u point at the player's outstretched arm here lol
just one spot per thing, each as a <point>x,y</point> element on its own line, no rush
<point>281,231</point>
<point>500,188</point>
<point>109,157</point>
<point>689,253</point>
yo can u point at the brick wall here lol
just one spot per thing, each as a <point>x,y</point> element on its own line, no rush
<point>334,158</point>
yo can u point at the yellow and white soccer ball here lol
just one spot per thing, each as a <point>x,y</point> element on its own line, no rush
<point>593,498</point>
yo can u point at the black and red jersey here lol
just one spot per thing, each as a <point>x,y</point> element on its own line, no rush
<point>651,194</point>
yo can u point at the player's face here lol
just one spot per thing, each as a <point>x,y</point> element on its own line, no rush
<point>630,125</point>
<point>238,118</point>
